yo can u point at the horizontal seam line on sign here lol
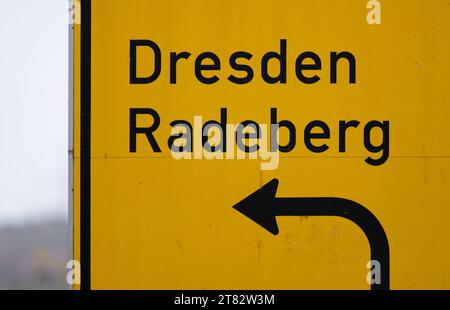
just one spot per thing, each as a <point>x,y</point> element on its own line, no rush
<point>281,157</point>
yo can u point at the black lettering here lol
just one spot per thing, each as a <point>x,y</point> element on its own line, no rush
<point>281,57</point>
<point>172,138</point>
<point>199,67</point>
<point>241,67</point>
<point>223,130</point>
<point>134,79</point>
<point>174,57</point>
<point>352,66</point>
<point>300,67</point>
<point>384,145</point>
<point>343,126</point>
<point>148,131</point>
<point>309,135</point>
<point>246,136</point>
<point>274,145</point>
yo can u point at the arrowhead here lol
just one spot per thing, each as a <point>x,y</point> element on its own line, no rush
<point>260,206</point>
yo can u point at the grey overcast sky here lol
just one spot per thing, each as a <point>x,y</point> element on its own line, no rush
<point>34,109</point>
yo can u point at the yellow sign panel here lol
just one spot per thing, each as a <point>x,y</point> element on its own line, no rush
<point>262,144</point>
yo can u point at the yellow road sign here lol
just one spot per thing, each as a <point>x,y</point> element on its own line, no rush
<point>261,144</point>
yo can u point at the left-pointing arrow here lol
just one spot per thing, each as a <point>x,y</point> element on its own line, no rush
<point>262,207</point>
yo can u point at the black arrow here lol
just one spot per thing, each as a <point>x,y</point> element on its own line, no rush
<point>262,207</point>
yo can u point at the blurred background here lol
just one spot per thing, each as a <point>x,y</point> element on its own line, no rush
<point>33,144</point>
